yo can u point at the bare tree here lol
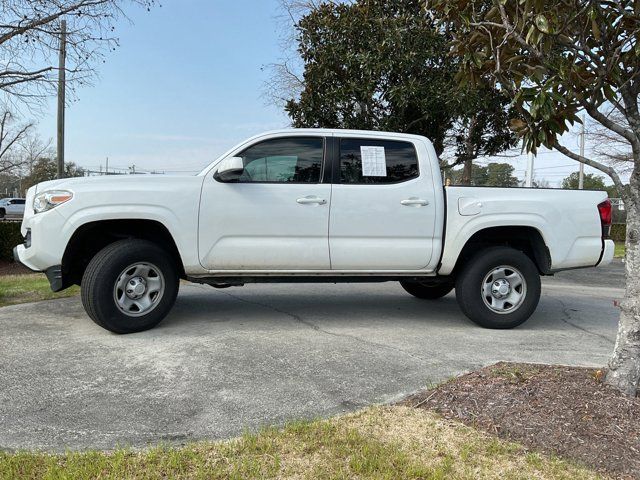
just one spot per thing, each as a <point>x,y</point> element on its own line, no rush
<point>608,146</point>
<point>286,75</point>
<point>29,40</point>
<point>11,137</point>
<point>284,82</point>
<point>32,149</point>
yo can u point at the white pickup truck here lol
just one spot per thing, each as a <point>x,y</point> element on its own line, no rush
<point>309,206</point>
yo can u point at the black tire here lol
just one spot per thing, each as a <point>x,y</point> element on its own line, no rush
<point>106,268</point>
<point>426,291</point>
<point>2,213</point>
<point>471,281</point>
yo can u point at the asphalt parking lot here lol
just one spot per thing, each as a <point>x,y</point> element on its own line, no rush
<point>229,360</point>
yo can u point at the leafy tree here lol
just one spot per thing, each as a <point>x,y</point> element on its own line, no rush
<point>383,65</point>
<point>501,175</point>
<point>591,181</point>
<point>45,169</point>
<point>478,176</point>
<point>554,59</point>
<point>493,175</point>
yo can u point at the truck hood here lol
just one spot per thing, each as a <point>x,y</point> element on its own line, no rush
<point>84,183</point>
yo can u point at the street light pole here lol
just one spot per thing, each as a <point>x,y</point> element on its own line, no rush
<point>581,175</point>
<point>61,93</point>
<point>529,176</point>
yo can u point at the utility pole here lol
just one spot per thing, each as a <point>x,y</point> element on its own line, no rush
<point>529,177</point>
<point>61,92</point>
<point>106,168</point>
<point>581,175</point>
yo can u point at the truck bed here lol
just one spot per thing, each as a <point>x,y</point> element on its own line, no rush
<point>567,220</point>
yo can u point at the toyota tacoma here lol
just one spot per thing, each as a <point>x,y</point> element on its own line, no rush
<point>309,205</point>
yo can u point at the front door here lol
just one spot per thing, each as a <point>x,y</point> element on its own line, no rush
<point>383,208</point>
<point>275,216</point>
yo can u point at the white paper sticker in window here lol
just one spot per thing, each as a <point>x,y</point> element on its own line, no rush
<point>374,163</point>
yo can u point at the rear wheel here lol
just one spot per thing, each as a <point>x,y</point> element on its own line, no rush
<point>498,288</point>
<point>129,286</point>
<point>2,213</point>
<point>426,291</point>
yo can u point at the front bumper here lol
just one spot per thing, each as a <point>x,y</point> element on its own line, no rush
<point>607,253</point>
<point>47,241</point>
<point>44,246</point>
<point>19,259</point>
<point>54,273</point>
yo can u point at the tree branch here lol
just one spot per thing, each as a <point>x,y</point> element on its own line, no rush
<point>48,19</point>
<point>600,117</point>
<point>592,163</point>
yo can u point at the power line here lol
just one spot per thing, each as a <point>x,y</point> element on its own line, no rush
<point>556,166</point>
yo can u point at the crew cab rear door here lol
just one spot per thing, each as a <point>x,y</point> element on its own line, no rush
<point>383,208</point>
<point>275,216</point>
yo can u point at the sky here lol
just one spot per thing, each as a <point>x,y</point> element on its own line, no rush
<point>187,84</point>
<point>184,86</point>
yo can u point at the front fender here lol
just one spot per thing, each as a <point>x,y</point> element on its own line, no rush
<point>182,230</point>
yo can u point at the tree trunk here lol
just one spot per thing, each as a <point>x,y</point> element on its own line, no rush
<point>624,365</point>
<point>467,171</point>
<point>469,152</point>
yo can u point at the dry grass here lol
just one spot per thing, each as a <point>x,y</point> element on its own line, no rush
<point>378,443</point>
<point>32,287</point>
<point>560,410</point>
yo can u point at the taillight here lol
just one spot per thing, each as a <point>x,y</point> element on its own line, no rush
<point>604,209</point>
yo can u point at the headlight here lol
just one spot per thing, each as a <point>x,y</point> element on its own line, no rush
<point>47,200</point>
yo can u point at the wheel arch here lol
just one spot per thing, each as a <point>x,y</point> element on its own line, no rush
<point>525,238</point>
<point>91,237</point>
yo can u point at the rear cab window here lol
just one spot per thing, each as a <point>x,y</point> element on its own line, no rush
<point>367,161</point>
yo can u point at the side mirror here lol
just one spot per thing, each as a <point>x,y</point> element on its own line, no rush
<point>230,169</point>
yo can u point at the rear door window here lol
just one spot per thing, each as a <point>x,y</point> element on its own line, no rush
<point>364,161</point>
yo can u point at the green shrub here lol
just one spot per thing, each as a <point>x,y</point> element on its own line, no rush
<point>10,236</point>
<point>618,232</point>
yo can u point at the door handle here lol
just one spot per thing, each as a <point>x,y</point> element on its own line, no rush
<point>414,201</point>
<point>310,200</point>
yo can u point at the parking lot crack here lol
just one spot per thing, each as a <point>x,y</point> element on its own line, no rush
<point>566,311</point>
<point>315,327</point>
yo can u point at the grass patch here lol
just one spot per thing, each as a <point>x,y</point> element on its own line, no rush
<point>619,250</point>
<point>380,443</point>
<point>34,287</point>
<point>514,373</point>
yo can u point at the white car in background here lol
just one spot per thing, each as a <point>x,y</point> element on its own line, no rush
<point>12,208</point>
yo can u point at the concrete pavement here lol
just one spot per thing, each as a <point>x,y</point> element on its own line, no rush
<point>235,359</point>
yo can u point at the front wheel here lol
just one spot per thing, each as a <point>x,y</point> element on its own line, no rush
<point>129,286</point>
<point>498,288</point>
